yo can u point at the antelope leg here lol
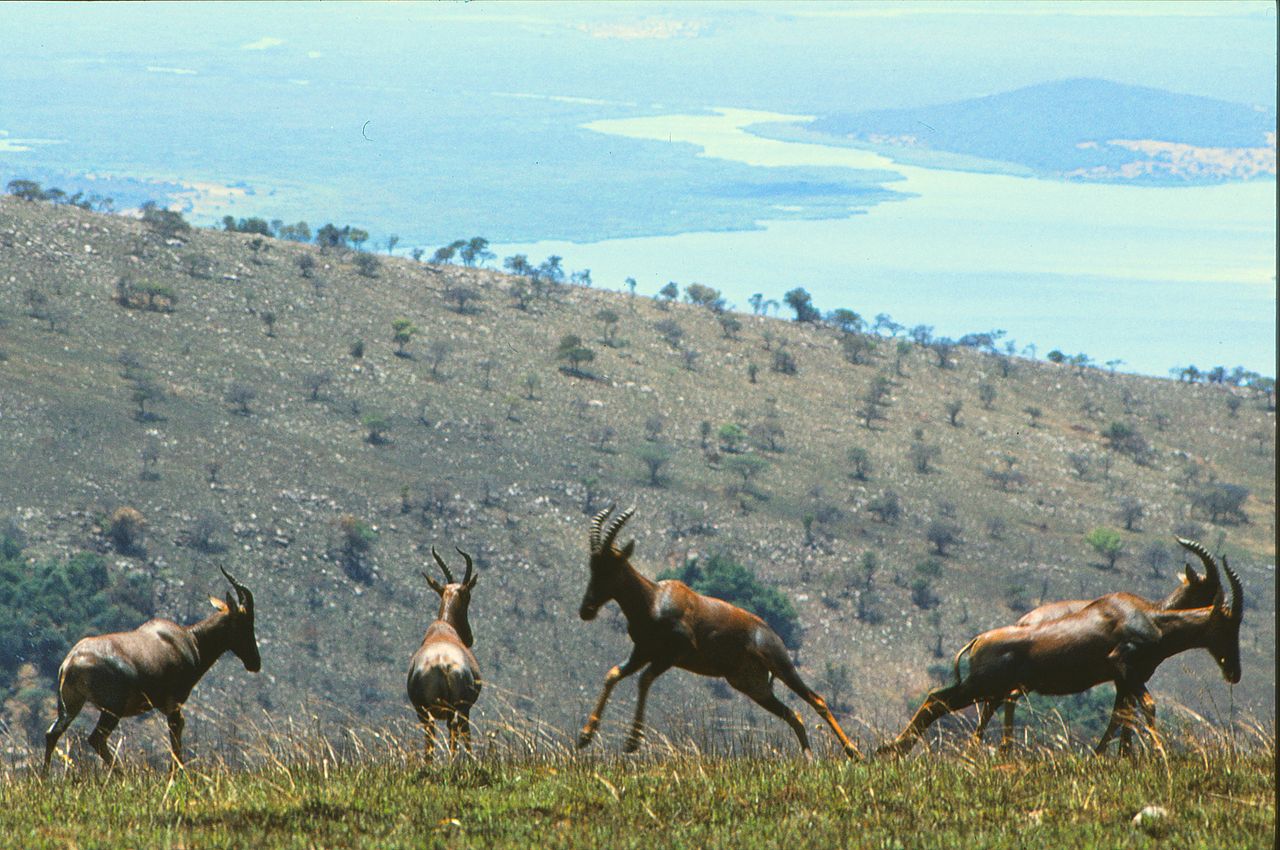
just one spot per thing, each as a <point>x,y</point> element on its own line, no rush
<point>616,675</point>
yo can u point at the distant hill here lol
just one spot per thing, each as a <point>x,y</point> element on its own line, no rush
<point>207,380</point>
<point>1082,129</point>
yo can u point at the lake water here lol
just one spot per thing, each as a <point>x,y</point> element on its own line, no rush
<point>1157,277</point>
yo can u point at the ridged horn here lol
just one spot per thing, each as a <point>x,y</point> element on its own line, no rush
<point>616,526</point>
<point>1236,614</point>
<point>466,579</point>
<point>448,575</point>
<point>596,522</point>
<point>1210,565</point>
<point>242,593</point>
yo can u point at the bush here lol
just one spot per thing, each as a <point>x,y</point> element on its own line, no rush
<point>860,461</point>
<point>655,456</point>
<point>943,535</point>
<point>356,539</point>
<point>240,395</point>
<point>125,530</point>
<point>721,577</point>
<point>1128,440</point>
<point>922,595</point>
<point>166,224</point>
<point>367,265</point>
<point>402,331</point>
<point>1223,503</point>
<point>886,507</point>
<point>377,425</point>
<point>923,455</point>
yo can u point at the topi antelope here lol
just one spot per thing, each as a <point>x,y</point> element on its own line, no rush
<point>154,666</point>
<point>1116,638</point>
<point>673,626</point>
<point>1192,592</point>
<point>444,677</point>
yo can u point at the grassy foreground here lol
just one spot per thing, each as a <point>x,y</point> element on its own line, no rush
<point>1217,799</point>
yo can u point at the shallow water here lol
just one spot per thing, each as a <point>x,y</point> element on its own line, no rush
<point>1156,277</point>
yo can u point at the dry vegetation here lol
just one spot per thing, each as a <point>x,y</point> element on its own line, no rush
<point>367,787</point>
<point>322,479</point>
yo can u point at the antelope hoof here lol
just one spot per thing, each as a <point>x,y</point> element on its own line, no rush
<point>894,749</point>
<point>585,736</point>
<point>631,745</point>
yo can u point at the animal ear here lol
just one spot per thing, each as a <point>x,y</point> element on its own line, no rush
<point>473,581</point>
<point>435,585</point>
<point>1191,577</point>
<point>218,603</point>
<point>628,549</point>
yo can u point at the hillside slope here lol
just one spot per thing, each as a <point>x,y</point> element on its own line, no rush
<point>490,446</point>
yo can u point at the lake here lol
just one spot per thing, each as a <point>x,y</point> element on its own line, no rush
<point>1157,277</point>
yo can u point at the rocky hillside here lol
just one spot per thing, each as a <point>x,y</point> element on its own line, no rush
<point>208,380</point>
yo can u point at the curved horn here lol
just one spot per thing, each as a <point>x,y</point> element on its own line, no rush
<point>242,593</point>
<point>616,526</point>
<point>1210,565</point>
<point>466,579</point>
<point>448,575</point>
<point>596,522</point>
<point>1236,614</point>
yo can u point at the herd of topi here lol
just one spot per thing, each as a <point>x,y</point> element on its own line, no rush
<point>1059,648</point>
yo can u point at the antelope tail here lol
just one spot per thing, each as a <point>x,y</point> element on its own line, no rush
<point>956,669</point>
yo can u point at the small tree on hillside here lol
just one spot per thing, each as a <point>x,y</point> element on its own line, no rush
<point>146,390</point>
<point>747,467</point>
<point>704,296</point>
<point>463,298</point>
<point>859,463</point>
<point>801,302</point>
<point>943,535</point>
<point>1156,558</point>
<point>1223,503</point>
<point>655,456</point>
<point>241,394</point>
<point>1130,513</point>
<point>667,294</point>
<point>402,332</point>
<point>923,456</point>
<point>166,224</point>
<point>987,395</point>
<point>367,265</point>
<point>729,325</point>
<point>475,252</point>
<point>377,425</point>
<point>306,265</point>
<point>572,350</point>
<point>886,507</point>
<point>1107,543</point>
<point>314,382</point>
<point>670,330</point>
<point>608,318</point>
